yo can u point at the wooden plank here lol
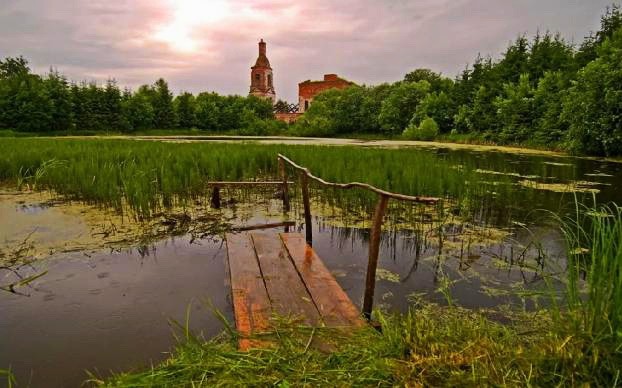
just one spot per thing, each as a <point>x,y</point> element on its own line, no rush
<point>246,183</point>
<point>336,308</point>
<point>270,225</point>
<point>287,293</point>
<point>251,305</point>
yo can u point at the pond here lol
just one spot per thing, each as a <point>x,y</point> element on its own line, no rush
<point>103,306</point>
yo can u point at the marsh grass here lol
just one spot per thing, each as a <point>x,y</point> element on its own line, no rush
<point>150,176</point>
<point>430,345</point>
<point>594,287</point>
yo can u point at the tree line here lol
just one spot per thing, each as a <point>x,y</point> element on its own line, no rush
<point>542,91</point>
<point>50,103</point>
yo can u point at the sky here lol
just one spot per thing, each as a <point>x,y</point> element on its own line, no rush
<point>210,45</point>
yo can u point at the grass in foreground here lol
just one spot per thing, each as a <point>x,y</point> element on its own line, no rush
<point>429,346</point>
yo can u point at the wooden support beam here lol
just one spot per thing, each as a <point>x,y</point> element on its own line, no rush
<point>304,182</point>
<point>245,183</point>
<point>285,190</point>
<point>374,250</point>
<point>215,202</point>
<point>270,225</point>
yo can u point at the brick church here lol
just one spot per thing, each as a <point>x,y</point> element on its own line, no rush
<point>262,85</point>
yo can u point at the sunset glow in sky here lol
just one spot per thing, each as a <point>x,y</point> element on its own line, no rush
<point>200,45</point>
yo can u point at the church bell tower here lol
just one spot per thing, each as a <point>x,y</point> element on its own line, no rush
<point>261,76</point>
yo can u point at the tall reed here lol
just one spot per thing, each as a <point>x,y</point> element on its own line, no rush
<point>594,287</point>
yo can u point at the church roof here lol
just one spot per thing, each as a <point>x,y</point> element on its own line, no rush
<point>262,61</point>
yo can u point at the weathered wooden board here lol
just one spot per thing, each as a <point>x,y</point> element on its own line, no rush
<point>334,305</point>
<point>251,304</point>
<point>280,273</point>
<point>287,293</point>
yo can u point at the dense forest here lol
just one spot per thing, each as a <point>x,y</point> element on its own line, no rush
<point>543,91</point>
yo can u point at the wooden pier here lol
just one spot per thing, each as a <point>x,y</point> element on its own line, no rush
<point>278,273</point>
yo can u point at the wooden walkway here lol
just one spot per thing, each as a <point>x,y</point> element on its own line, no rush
<point>279,273</point>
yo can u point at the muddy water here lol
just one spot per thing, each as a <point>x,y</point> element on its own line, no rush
<point>103,309</point>
<point>109,311</point>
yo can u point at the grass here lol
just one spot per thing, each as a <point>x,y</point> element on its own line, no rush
<point>428,346</point>
<point>149,176</point>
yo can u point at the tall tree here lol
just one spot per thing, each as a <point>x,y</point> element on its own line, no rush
<point>185,110</point>
<point>163,105</point>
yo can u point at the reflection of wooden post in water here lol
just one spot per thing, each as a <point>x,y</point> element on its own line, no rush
<point>285,191</point>
<point>304,183</point>
<point>215,202</point>
<point>374,249</point>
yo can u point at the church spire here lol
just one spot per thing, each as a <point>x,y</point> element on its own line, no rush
<point>261,76</point>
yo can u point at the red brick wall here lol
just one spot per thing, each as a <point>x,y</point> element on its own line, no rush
<point>287,117</point>
<point>310,89</point>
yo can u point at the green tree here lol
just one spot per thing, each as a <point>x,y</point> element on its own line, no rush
<point>58,91</point>
<point>184,105</point>
<point>549,124</point>
<point>13,67</point>
<point>426,130</point>
<point>400,105</point>
<point>439,107</point>
<point>162,102</point>
<point>593,107</point>
<point>515,111</point>
<point>137,110</point>
<point>549,53</point>
<point>610,22</point>
<point>438,83</point>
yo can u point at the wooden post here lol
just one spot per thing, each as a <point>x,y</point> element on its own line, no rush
<point>304,180</point>
<point>216,198</point>
<point>374,249</point>
<point>285,193</point>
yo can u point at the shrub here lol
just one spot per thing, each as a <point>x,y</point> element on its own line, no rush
<point>427,130</point>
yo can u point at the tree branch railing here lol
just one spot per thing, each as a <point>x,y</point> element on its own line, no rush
<point>375,233</point>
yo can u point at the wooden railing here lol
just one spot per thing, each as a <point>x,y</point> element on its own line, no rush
<point>378,218</point>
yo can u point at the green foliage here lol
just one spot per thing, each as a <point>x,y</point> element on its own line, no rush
<point>185,110</point>
<point>149,176</point>
<point>437,82</point>
<point>399,106</point>
<point>427,346</point>
<point>594,103</point>
<point>439,107</point>
<point>594,288</point>
<point>514,111</point>
<point>30,103</point>
<point>427,130</point>
<point>162,102</point>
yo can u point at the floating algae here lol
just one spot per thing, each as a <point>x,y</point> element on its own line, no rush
<point>385,274</point>
<point>512,174</point>
<point>570,187</point>
<point>43,224</point>
<point>557,164</point>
